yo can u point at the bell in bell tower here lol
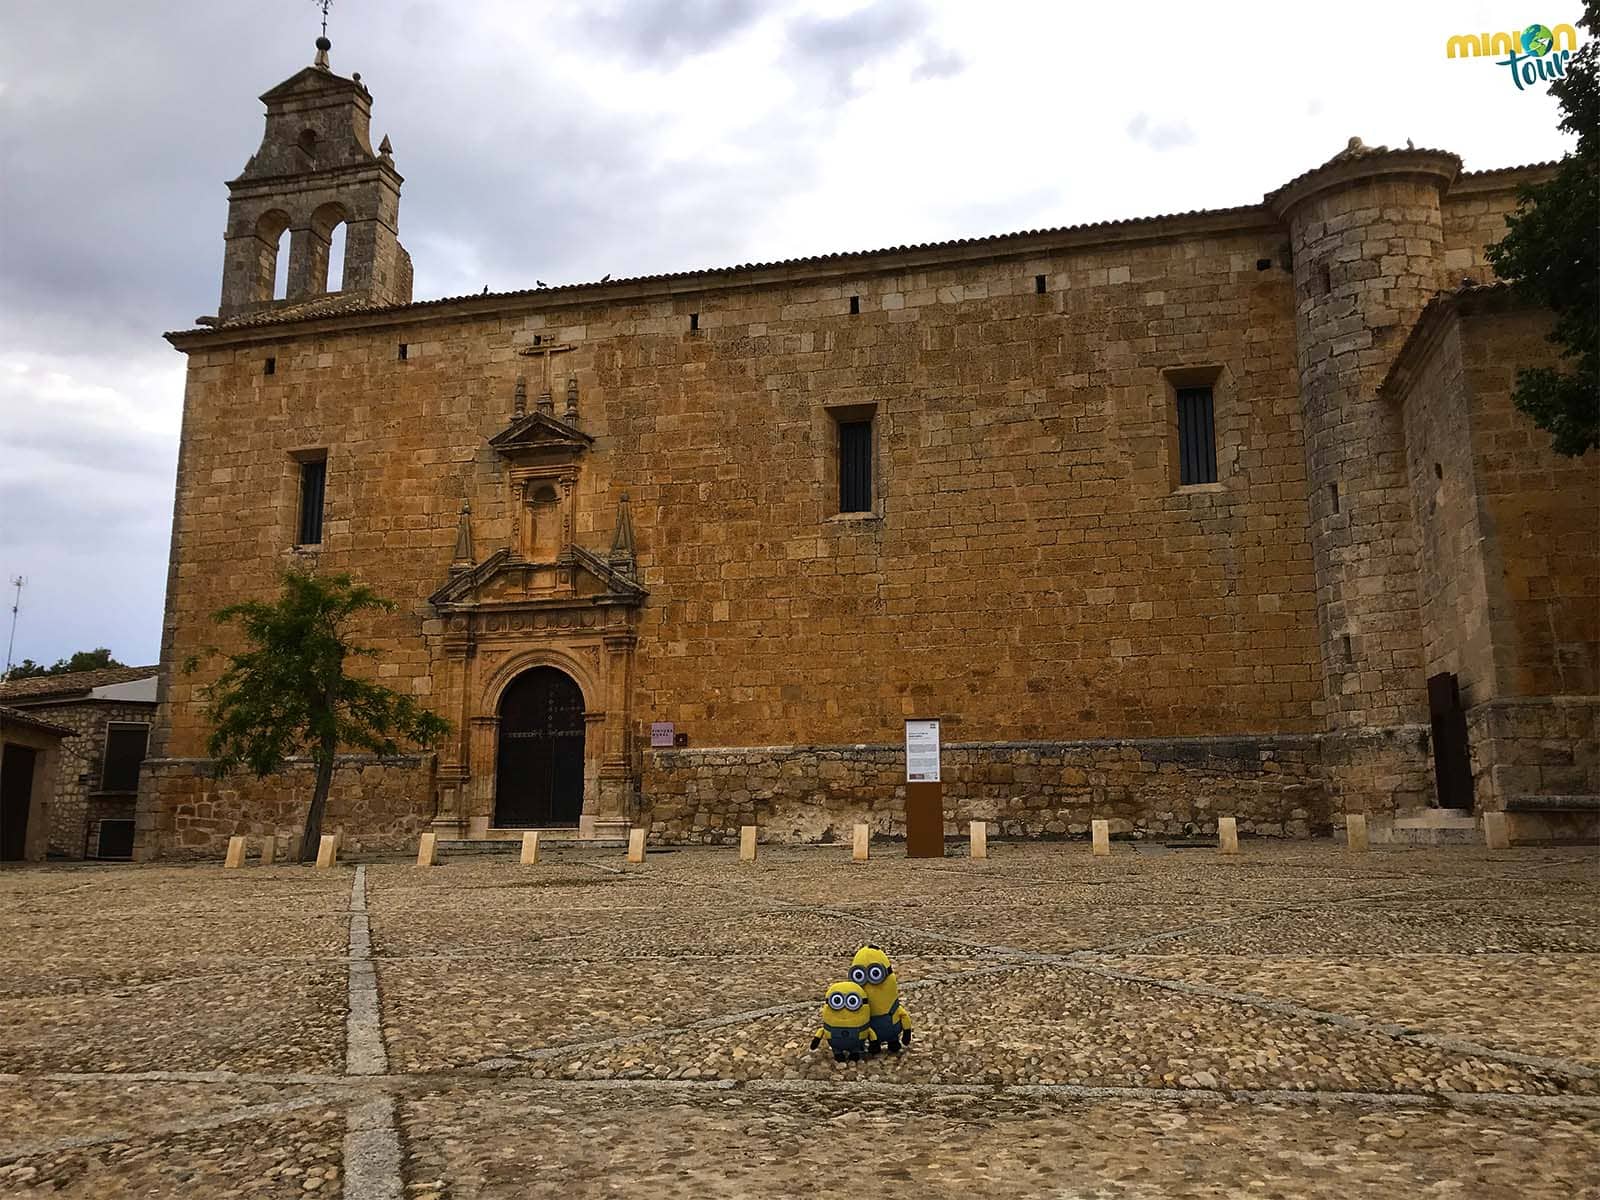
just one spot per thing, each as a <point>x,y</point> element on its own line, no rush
<point>315,170</point>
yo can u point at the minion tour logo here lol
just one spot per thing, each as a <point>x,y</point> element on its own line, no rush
<point>1536,55</point>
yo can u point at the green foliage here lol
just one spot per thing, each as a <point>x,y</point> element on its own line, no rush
<point>1551,251</point>
<point>288,694</point>
<point>83,660</point>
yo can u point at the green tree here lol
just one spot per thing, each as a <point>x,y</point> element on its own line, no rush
<point>83,660</point>
<point>288,694</point>
<point>1551,251</point>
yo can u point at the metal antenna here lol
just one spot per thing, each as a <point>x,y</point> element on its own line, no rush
<point>16,603</point>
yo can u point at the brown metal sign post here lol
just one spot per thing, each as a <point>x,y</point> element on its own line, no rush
<point>924,791</point>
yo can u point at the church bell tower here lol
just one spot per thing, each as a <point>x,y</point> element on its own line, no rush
<point>315,170</point>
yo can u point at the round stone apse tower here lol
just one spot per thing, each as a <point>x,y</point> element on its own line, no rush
<point>1367,239</point>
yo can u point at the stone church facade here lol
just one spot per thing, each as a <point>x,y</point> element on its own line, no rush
<point>1164,518</point>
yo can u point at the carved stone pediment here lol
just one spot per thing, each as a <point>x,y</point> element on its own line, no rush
<point>503,580</point>
<point>538,436</point>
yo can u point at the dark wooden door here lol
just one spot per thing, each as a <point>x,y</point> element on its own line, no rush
<point>16,797</point>
<point>539,777</point>
<point>1452,756</point>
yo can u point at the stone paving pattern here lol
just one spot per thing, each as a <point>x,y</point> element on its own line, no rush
<point>1296,1022</point>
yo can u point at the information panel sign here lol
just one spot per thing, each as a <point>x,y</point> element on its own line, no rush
<point>661,733</point>
<point>922,751</point>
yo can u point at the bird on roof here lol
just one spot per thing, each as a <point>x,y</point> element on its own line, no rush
<point>485,289</point>
<point>1409,146</point>
<point>540,283</point>
<point>606,278</point>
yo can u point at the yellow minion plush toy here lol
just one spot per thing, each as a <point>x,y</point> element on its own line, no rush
<point>844,1022</point>
<point>889,1020</point>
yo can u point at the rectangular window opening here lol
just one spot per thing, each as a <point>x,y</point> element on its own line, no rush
<point>313,486</point>
<point>694,322</point>
<point>1333,494</point>
<point>1197,437</point>
<point>403,352</point>
<point>1040,283</point>
<point>1346,643</point>
<point>855,305</point>
<point>270,366</point>
<point>125,749</point>
<point>855,466</point>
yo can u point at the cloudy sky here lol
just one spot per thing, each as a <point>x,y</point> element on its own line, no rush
<point>566,140</point>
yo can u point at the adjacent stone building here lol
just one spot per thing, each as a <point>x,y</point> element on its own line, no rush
<point>106,715</point>
<point>1165,518</point>
<point>30,763</point>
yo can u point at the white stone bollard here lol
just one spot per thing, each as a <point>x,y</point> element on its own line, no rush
<point>327,852</point>
<point>428,850</point>
<point>1496,836</point>
<point>636,845</point>
<point>530,848</point>
<point>269,850</point>
<point>1228,835</point>
<point>235,853</point>
<point>978,833</point>
<point>1355,831</point>
<point>1101,832</point>
<point>858,849</point>
<point>747,843</point>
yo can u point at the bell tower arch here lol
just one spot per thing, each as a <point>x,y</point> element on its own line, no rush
<point>315,170</point>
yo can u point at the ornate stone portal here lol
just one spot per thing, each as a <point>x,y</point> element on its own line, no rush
<point>542,602</point>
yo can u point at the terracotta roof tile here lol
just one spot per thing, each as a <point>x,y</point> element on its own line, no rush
<point>40,687</point>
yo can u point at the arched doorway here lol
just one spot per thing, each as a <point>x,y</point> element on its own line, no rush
<point>539,767</point>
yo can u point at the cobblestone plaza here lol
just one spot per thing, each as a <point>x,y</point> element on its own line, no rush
<point>1295,1022</point>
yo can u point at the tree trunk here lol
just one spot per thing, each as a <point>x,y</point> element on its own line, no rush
<point>319,802</point>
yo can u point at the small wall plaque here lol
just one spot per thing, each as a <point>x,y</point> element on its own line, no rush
<point>661,734</point>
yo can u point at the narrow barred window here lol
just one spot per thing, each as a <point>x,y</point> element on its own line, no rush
<point>313,485</point>
<point>1197,438</point>
<point>855,466</point>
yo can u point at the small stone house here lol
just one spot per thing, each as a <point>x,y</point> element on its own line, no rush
<point>105,719</point>
<point>30,754</point>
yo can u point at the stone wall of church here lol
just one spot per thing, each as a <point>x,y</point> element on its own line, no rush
<point>1146,787</point>
<point>1032,569</point>
<point>382,804</point>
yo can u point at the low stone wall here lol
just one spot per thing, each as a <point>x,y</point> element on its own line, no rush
<point>187,811</point>
<point>1534,746</point>
<point>1271,784</point>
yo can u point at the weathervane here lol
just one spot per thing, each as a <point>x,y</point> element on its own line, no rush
<point>324,5</point>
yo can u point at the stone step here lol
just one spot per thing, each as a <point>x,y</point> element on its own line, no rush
<point>1570,803</point>
<point>546,844</point>
<point>1435,818</point>
<point>1436,827</point>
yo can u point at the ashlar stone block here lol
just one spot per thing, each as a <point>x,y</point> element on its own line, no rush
<point>235,853</point>
<point>327,852</point>
<point>863,838</point>
<point>1100,832</point>
<point>636,845</point>
<point>530,848</point>
<point>1355,831</point>
<point>978,832</point>
<point>747,843</point>
<point>428,850</point>
<point>1228,835</point>
<point>1496,835</point>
